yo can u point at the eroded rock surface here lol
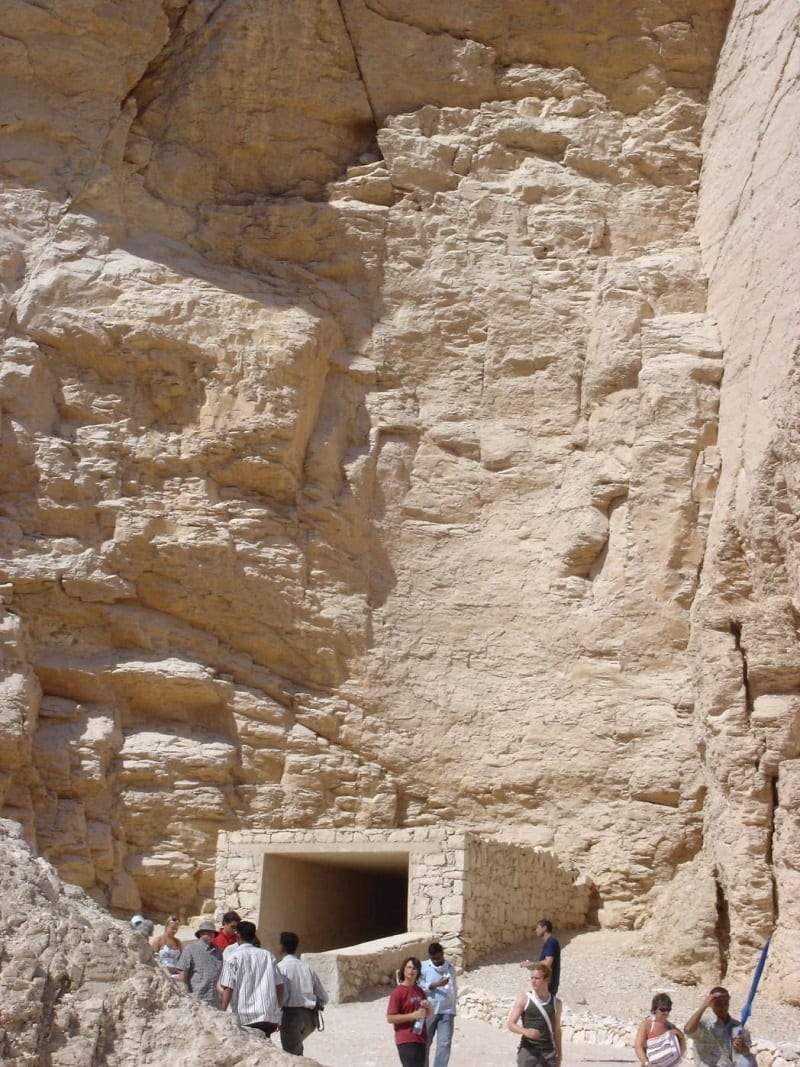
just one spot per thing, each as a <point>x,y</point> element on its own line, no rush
<point>360,437</point>
<point>78,989</point>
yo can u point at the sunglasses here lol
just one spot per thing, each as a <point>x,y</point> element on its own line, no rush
<point>665,1010</point>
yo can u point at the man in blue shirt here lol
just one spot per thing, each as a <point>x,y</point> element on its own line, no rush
<point>438,980</point>
<point>549,953</point>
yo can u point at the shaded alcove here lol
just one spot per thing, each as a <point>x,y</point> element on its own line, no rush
<point>333,899</point>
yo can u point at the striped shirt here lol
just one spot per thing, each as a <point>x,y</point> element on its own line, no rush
<point>253,975</point>
<point>303,987</point>
<point>202,963</point>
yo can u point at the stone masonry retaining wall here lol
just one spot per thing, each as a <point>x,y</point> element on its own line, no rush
<point>475,894</point>
<point>509,888</point>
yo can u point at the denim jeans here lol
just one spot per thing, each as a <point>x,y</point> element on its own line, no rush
<point>442,1027</point>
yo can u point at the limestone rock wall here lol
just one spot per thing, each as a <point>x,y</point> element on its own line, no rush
<point>745,621</point>
<point>359,430</point>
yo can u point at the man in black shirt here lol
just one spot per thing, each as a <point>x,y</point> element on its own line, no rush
<point>549,953</point>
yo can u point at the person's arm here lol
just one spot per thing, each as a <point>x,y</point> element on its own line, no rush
<point>224,996</point>
<point>557,1030</point>
<point>427,983</point>
<point>640,1043</point>
<point>319,989</point>
<point>410,1017</point>
<point>514,1016</point>
<point>741,1043</point>
<point>681,1039</point>
<point>694,1020</point>
<point>548,953</point>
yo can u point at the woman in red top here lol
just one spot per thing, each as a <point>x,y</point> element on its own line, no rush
<point>407,1007</point>
<point>227,935</point>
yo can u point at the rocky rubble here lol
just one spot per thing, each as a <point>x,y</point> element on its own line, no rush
<point>79,989</point>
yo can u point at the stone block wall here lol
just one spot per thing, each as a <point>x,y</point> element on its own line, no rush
<point>509,888</point>
<point>474,894</point>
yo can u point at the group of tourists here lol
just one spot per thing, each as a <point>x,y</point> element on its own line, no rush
<point>422,1010</point>
<point>228,968</point>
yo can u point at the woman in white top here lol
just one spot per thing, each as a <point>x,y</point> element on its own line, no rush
<point>167,947</point>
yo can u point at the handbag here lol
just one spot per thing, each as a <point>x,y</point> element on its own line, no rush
<point>317,1016</point>
<point>664,1050</point>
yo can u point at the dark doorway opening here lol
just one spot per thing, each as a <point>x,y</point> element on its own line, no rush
<point>333,899</point>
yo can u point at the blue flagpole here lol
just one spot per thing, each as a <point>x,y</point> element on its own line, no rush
<point>748,1008</point>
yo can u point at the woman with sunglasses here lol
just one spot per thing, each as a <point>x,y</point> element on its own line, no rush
<point>658,1043</point>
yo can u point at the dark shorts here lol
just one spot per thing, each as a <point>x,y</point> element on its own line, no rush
<point>412,1054</point>
<point>528,1056</point>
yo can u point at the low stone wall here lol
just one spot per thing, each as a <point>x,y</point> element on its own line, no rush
<point>347,972</point>
<point>588,1028</point>
<point>510,887</point>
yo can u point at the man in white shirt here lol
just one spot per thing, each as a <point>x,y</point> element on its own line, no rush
<point>438,980</point>
<point>252,984</point>
<point>305,996</point>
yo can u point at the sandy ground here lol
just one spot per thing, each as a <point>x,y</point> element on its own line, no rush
<point>357,1035</point>
<point>600,974</point>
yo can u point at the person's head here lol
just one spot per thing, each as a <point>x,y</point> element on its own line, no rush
<point>246,932</point>
<point>540,979</point>
<point>172,925</point>
<point>436,953</point>
<point>230,921</point>
<point>721,1002</point>
<point>544,928</point>
<point>289,943</point>
<point>661,1006</point>
<point>206,931</point>
<point>410,970</point>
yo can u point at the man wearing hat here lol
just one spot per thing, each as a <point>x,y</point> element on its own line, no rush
<point>200,964</point>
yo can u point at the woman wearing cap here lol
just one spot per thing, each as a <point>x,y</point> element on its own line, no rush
<point>167,947</point>
<point>142,925</point>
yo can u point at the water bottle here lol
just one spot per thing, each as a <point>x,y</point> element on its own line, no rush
<point>419,1024</point>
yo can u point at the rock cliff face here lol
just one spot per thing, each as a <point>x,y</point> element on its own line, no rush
<point>360,408</point>
<point>745,636</point>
